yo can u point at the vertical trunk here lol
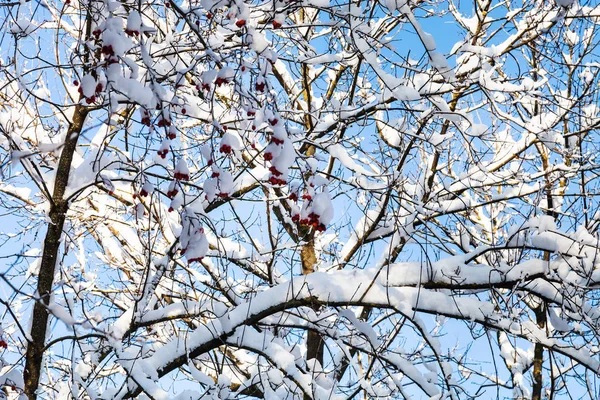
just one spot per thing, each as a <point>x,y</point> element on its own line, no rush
<point>314,341</point>
<point>58,209</point>
<point>538,355</point>
<point>540,311</point>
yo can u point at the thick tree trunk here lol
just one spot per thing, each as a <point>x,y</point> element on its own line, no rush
<point>314,341</point>
<point>58,210</point>
<point>538,355</point>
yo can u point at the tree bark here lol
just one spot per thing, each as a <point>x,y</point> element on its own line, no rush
<point>314,342</point>
<point>538,355</point>
<point>58,209</point>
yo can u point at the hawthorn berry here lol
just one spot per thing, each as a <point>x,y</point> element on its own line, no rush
<point>274,171</point>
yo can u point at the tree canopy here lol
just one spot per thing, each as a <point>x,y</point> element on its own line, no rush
<point>299,199</point>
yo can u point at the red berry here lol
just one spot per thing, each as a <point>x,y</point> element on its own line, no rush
<point>240,23</point>
<point>276,24</point>
<point>293,197</point>
<point>3,344</point>
<point>183,111</point>
<point>76,82</point>
<point>220,81</point>
<point>209,15</point>
<point>268,156</point>
<point>274,170</point>
<point>260,86</point>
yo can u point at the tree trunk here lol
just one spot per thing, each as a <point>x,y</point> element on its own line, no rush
<point>538,355</point>
<point>58,210</point>
<point>314,342</point>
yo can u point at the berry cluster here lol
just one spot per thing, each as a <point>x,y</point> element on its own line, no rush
<point>164,122</point>
<point>182,173</point>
